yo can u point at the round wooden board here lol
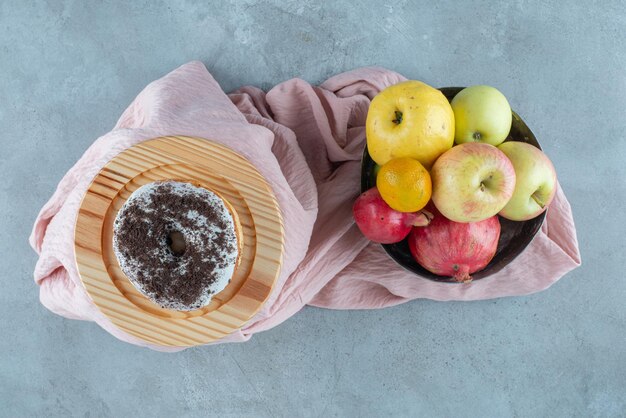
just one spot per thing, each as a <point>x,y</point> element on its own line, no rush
<point>204,163</point>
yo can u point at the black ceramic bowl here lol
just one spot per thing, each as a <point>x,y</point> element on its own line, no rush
<point>514,236</point>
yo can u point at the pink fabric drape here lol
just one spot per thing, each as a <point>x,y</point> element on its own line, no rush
<point>307,142</point>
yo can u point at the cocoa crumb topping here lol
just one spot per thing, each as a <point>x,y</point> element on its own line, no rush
<point>179,275</point>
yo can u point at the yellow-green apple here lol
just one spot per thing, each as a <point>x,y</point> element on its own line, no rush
<point>536,181</point>
<point>481,114</point>
<point>409,119</point>
<point>472,182</point>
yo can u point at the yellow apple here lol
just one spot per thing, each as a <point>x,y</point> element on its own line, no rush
<point>409,119</point>
<point>481,114</point>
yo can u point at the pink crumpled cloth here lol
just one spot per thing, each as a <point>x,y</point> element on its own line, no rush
<point>307,142</point>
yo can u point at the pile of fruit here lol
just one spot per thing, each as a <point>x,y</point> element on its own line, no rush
<point>445,173</point>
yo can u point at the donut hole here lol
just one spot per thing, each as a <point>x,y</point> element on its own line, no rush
<point>176,243</point>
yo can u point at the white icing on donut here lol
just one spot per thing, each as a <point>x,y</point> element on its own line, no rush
<point>202,237</point>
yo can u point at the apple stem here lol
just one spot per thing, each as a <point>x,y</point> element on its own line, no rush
<point>476,136</point>
<point>537,200</point>
<point>398,118</point>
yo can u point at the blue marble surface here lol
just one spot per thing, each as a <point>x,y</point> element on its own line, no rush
<point>69,68</point>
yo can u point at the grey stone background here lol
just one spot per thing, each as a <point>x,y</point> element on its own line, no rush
<point>69,68</point>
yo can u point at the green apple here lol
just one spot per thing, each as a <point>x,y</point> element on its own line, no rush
<point>536,181</point>
<point>481,114</point>
<point>472,182</point>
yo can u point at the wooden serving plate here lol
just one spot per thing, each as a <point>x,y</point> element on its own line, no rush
<point>203,163</point>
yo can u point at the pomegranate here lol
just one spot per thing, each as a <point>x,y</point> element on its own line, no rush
<point>380,223</point>
<point>454,249</point>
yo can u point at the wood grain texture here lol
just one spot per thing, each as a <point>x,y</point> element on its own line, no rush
<point>203,163</point>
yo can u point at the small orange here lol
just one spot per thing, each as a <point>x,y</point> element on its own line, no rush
<point>404,184</point>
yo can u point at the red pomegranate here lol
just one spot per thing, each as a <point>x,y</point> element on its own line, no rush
<point>380,223</point>
<point>454,249</point>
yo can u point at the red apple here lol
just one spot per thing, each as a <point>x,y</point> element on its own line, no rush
<point>380,223</point>
<point>472,182</point>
